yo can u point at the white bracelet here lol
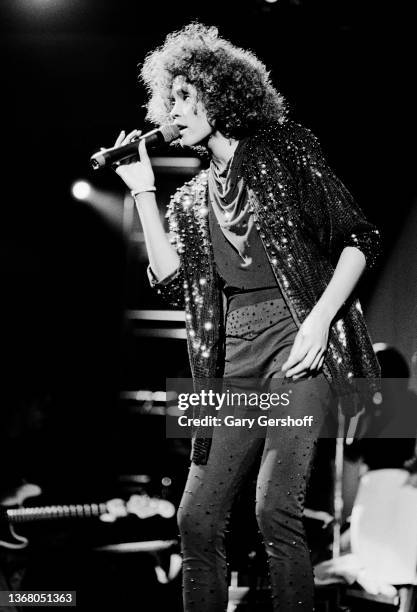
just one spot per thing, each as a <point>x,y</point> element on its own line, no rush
<point>136,192</point>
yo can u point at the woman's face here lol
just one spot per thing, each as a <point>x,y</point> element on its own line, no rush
<point>188,113</point>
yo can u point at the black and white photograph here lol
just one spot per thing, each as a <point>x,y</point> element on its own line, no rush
<point>209,306</point>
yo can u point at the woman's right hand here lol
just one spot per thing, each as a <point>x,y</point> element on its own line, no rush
<point>138,175</point>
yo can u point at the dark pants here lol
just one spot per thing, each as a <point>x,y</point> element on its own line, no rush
<point>259,338</point>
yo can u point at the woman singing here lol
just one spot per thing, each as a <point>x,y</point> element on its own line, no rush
<point>265,249</point>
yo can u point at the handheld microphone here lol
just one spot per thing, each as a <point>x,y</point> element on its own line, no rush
<point>155,138</point>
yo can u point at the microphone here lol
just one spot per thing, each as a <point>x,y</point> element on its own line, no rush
<point>153,139</point>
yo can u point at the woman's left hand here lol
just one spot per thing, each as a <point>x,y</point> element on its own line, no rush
<point>310,344</point>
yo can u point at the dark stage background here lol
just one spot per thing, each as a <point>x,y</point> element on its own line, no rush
<point>68,274</point>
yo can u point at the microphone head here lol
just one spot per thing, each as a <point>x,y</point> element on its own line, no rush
<point>169,132</point>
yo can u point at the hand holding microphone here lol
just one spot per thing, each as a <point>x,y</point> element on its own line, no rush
<point>137,175</point>
<point>118,153</point>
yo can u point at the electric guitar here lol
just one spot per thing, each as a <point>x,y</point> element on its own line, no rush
<point>141,506</point>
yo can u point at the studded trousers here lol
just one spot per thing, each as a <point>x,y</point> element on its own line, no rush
<point>258,340</point>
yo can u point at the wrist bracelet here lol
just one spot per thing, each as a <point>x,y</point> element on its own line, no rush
<point>136,192</point>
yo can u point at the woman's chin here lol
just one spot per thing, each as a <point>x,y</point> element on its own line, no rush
<point>187,140</point>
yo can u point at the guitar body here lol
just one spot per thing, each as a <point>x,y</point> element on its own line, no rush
<point>8,537</point>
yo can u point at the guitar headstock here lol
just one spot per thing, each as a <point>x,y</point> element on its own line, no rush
<point>141,506</point>
<point>144,506</point>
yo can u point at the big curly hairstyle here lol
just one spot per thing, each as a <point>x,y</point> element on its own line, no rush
<point>233,84</point>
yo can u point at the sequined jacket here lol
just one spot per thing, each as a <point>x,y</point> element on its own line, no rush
<point>305,216</point>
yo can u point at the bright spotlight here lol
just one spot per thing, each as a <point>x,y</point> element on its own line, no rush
<point>42,4</point>
<point>81,190</point>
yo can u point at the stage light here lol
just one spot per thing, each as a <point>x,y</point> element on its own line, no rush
<point>44,3</point>
<point>271,1</point>
<point>81,190</point>
<point>33,5</point>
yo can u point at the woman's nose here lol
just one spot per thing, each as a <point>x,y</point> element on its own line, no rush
<point>174,112</point>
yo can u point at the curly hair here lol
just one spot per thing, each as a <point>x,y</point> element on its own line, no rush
<point>233,84</point>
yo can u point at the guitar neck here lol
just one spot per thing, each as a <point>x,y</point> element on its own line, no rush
<point>21,515</point>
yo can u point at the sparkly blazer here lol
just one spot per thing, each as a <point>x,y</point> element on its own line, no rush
<point>305,217</point>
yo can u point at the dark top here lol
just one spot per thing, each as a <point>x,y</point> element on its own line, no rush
<point>242,285</point>
<point>238,276</point>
